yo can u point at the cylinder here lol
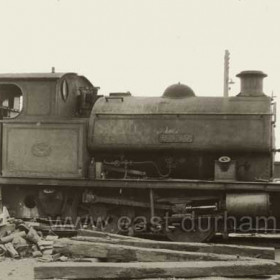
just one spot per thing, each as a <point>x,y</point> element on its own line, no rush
<point>251,83</point>
<point>250,204</point>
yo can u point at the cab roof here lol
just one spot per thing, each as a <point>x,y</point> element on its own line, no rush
<point>28,76</point>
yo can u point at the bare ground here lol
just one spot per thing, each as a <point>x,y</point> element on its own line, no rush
<point>17,269</point>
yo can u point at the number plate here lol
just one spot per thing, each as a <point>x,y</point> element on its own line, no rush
<point>175,138</point>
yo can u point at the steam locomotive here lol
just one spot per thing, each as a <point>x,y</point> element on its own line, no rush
<point>127,164</point>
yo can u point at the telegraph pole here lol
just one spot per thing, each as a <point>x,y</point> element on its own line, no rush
<point>226,73</point>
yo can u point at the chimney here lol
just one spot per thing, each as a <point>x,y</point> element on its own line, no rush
<point>251,83</point>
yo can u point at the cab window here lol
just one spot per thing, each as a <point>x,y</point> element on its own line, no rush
<point>10,100</point>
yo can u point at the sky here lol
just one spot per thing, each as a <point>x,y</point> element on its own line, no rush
<point>143,46</point>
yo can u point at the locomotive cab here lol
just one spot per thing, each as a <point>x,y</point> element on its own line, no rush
<point>44,119</point>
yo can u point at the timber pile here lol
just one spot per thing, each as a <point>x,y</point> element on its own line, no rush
<point>98,255</point>
<point>110,256</point>
<point>19,239</point>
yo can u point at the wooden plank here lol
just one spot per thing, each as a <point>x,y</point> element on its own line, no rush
<point>154,270</point>
<point>256,235</point>
<point>107,235</point>
<point>9,238</point>
<point>244,251</point>
<point>264,241</point>
<point>5,229</point>
<point>261,277</point>
<point>123,253</point>
<point>12,251</point>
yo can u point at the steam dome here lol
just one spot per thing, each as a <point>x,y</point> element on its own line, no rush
<point>178,91</point>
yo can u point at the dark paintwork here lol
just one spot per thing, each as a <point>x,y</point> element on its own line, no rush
<point>210,123</point>
<point>125,123</point>
<point>47,124</point>
<point>42,97</point>
<point>45,146</point>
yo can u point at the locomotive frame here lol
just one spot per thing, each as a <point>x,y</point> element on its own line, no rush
<point>52,172</point>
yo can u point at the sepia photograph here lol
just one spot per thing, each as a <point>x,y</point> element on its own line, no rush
<point>139,139</point>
